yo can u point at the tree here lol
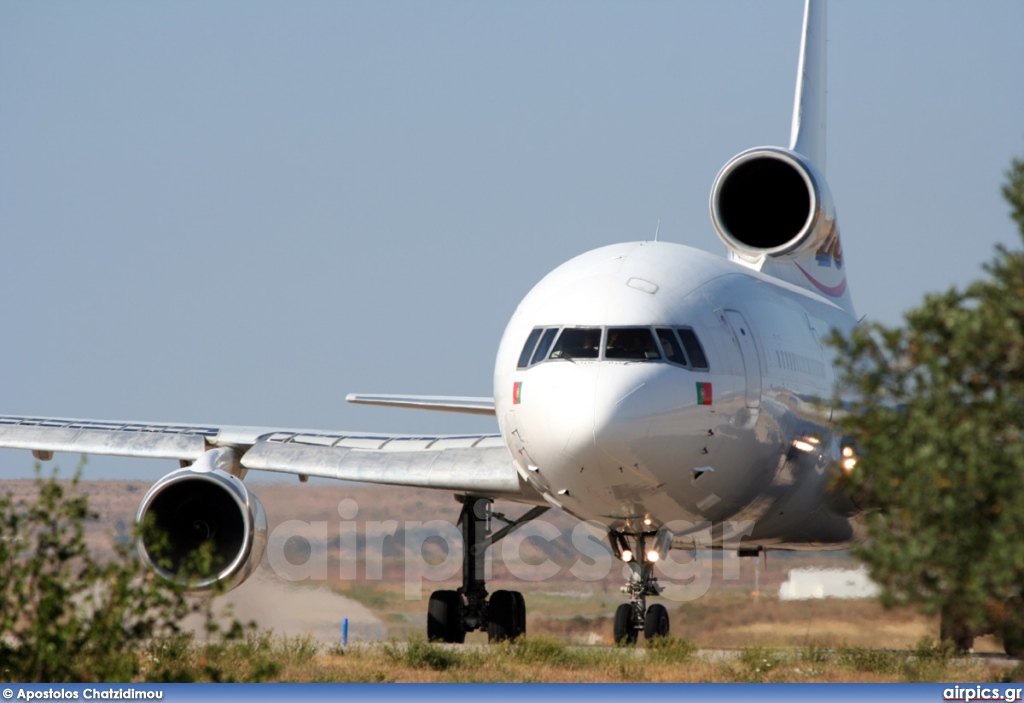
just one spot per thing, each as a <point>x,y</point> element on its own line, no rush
<point>937,420</point>
<point>66,615</point>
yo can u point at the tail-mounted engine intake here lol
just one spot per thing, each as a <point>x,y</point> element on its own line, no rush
<point>199,505</point>
<point>772,202</point>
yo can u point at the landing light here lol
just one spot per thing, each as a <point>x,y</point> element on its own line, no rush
<point>627,555</point>
<point>653,556</point>
<point>849,462</point>
<point>802,445</point>
<point>647,521</point>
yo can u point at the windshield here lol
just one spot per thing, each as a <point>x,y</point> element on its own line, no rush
<point>578,343</point>
<point>678,346</point>
<point>632,343</point>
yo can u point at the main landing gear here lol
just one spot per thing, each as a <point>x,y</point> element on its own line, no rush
<point>451,614</point>
<point>635,616</point>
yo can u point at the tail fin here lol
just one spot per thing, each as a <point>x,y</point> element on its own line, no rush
<point>807,135</point>
<point>771,206</point>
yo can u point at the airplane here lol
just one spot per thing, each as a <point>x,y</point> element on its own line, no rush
<point>648,386</point>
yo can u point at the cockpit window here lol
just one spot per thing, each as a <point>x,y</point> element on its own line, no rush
<point>578,343</point>
<point>670,345</point>
<point>545,344</point>
<point>677,346</point>
<point>631,343</point>
<point>531,342</point>
<point>693,349</point>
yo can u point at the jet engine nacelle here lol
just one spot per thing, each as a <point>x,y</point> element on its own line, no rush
<point>772,202</point>
<point>198,505</point>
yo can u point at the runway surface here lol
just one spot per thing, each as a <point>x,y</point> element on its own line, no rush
<point>287,609</point>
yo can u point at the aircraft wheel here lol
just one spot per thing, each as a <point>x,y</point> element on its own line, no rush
<point>503,616</point>
<point>520,612</point>
<point>625,629</point>
<point>444,617</point>
<point>656,622</point>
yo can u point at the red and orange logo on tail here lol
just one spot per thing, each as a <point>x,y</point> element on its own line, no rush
<point>831,251</point>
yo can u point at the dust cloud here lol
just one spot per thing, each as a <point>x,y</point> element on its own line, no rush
<point>293,610</point>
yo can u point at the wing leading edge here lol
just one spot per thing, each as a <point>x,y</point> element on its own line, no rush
<point>444,403</point>
<point>473,464</point>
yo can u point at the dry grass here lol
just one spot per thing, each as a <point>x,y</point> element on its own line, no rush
<point>537,659</point>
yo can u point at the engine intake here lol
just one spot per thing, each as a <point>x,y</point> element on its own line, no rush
<point>770,201</point>
<point>197,505</point>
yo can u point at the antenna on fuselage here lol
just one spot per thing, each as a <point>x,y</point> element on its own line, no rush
<point>657,228</point>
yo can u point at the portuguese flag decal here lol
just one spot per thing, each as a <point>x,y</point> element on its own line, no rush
<point>703,394</point>
<point>517,392</point>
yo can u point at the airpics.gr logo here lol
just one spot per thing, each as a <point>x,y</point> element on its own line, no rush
<point>703,394</point>
<point>517,393</point>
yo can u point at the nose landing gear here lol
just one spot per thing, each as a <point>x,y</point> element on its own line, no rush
<point>635,616</point>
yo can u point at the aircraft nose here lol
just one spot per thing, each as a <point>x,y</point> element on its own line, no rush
<point>613,435</point>
<point>627,406</point>
<point>569,424</point>
<point>601,415</point>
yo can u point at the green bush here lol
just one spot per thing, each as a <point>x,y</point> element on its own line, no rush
<point>759,662</point>
<point>67,616</point>
<point>420,654</point>
<point>875,661</point>
<point>552,652</point>
<point>669,650</point>
<point>816,653</point>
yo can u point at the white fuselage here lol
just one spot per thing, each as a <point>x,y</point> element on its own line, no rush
<point>636,444</point>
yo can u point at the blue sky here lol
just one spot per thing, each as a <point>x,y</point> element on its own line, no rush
<point>237,212</point>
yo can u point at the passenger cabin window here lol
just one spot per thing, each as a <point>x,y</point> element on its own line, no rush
<point>545,345</point>
<point>632,344</point>
<point>578,343</point>
<point>670,345</point>
<point>693,349</point>
<point>531,342</point>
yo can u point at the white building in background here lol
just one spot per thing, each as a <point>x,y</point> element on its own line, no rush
<point>805,584</point>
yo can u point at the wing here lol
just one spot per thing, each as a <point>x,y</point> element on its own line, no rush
<point>446,403</point>
<point>473,464</point>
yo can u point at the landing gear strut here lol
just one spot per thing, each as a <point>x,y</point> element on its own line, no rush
<point>634,616</point>
<point>451,614</point>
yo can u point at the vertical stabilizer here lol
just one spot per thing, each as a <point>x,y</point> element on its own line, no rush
<point>807,136</point>
<point>772,206</point>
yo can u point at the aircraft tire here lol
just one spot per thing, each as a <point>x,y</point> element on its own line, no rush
<point>444,617</point>
<point>656,623</point>
<point>625,630</point>
<point>520,612</point>
<point>503,613</point>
